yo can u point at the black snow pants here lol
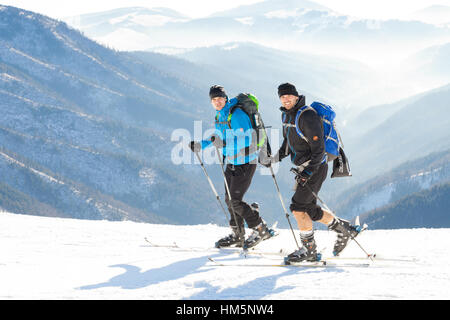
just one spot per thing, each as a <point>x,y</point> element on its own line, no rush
<point>239,178</point>
<point>303,199</point>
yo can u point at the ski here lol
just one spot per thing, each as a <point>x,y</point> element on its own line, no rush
<point>273,231</point>
<point>250,251</point>
<point>173,245</point>
<point>374,257</point>
<point>273,255</point>
<point>315,264</point>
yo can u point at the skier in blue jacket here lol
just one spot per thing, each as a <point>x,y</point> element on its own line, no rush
<point>234,135</point>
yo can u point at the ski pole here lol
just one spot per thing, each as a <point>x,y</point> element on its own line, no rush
<point>278,188</point>
<point>282,204</point>
<point>229,194</point>
<point>212,185</point>
<point>321,201</point>
<point>328,209</point>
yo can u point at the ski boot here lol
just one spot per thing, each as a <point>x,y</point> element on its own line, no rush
<point>255,207</point>
<point>260,233</point>
<point>235,239</point>
<point>307,253</point>
<point>345,232</point>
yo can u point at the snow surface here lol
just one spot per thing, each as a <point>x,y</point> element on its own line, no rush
<point>54,258</point>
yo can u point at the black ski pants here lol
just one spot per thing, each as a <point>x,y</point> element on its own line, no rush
<point>303,199</point>
<point>239,178</point>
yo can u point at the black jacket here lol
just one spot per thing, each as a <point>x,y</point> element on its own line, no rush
<point>294,145</point>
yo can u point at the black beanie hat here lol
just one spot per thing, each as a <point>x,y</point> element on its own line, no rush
<point>217,91</point>
<point>287,88</point>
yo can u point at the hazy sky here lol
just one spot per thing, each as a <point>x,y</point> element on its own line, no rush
<point>381,9</point>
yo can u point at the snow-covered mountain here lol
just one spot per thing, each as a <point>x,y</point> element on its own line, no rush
<point>430,65</point>
<point>272,8</point>
<point>435,14</point>
<point>424,209</point>
<point>54,258</point>
<point>261,69</point>
<point>416,128</point>
<point>86,130</point>
<point>294,25</point>
<point>87,127</point>
<point>125,28</point>
<point>302,28</point>
<point>388,188</point>
<point>394,150</point>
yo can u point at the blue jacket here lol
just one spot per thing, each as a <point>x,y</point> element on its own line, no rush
<point>235,139</point>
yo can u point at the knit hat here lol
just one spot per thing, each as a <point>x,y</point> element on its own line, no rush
<point>287,88</point>
<point>217,91</point>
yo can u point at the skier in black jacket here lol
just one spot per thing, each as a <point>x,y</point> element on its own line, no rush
<point>311,160</point>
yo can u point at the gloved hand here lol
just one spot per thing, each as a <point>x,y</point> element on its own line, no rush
<point>217,141</point>
<point>266,162</point>
<point>265,159</point>
<point>195,146</point>
<point>302,177</point>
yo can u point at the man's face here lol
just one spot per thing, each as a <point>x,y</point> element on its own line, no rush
<point>218,103</point>
<point>288,101</point>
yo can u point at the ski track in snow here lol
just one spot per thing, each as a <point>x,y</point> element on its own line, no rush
<point>54,258</point>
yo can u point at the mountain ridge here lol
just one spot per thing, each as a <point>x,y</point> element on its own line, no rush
<point>97,120</point>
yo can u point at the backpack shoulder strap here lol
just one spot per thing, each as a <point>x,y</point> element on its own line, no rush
<point>234,105</point>
<point>230,114</point>
<point>297,125</point>
<point>240,107</point>
<point>220,122</point>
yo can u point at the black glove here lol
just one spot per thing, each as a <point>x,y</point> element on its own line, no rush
<point>195,146</point>
<point>302,177</point>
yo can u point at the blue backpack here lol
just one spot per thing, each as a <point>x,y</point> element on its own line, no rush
<point>331,136</point>
<point>333,143</point>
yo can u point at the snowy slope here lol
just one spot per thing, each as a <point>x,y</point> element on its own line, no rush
<point>55,258</point>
